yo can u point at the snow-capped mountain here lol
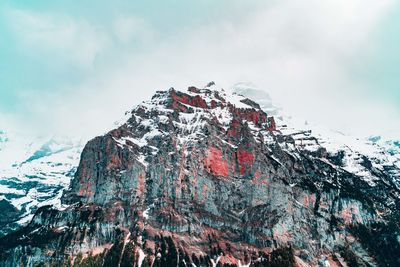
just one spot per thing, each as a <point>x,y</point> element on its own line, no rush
<point>33,173</point>
<point>206,177</point>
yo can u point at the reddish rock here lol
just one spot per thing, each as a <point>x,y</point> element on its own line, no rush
<point>271,124</point>
<point>215,163</point>
<point>194,101</point>
<point>213,103</point>
<point>245,159</point>
<point>233,128</point>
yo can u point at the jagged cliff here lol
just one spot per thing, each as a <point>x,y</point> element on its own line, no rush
<point>206,178</point>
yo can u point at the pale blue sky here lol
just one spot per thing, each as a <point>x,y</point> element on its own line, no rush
<point>381,66</point>
<point>21,69</point>
<point>73,62</point>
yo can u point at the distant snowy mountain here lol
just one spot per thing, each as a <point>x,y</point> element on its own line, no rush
<point>33,173</point>
<point>3,139</point>
<point>392,146</point>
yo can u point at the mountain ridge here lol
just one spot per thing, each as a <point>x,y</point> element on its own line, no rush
<point>206,178</point>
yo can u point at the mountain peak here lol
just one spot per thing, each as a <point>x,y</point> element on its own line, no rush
<point>204,177</point>
<point>192,111</point>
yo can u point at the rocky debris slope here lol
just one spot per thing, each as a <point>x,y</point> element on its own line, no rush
<point>33,173</point>
<point>207,178</point>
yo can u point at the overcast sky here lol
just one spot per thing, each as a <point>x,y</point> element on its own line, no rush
<point>74,67</point>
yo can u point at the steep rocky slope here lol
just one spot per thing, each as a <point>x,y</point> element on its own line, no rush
<point>207,178</point>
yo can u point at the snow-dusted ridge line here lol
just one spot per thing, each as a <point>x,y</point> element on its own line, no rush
<point>308,136</point>
<point>213,104</point>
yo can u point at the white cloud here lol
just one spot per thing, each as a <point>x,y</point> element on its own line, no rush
<point>129,28</point>
<point>57,37</point>
<point>300,51</point>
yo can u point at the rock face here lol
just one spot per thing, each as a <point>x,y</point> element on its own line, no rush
<point>206,178</point>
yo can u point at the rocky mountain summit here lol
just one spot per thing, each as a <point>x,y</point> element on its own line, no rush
<point>207,178</point>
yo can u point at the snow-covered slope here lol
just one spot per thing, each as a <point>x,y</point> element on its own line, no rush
<point>356,153</point>
<point>33,173</point>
